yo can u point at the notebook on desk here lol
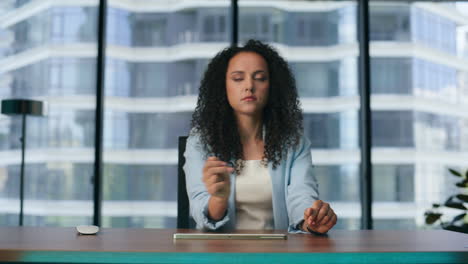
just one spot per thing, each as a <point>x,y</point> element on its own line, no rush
<point>229,236</point>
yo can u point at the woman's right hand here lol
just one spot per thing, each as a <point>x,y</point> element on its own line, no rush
<point>216,178</point>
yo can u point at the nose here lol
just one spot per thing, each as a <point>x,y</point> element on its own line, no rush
<point>249,85</point>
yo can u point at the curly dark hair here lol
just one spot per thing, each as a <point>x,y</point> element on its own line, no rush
<point>214,118</point>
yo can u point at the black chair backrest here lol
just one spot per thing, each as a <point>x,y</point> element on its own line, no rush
<point>183,207</point>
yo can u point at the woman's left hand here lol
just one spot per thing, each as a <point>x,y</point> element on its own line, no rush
<point>319,217</point>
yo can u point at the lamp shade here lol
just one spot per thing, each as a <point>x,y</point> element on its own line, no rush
<point>22,106</point>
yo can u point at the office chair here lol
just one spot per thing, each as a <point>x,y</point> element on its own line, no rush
<point>183,207</point>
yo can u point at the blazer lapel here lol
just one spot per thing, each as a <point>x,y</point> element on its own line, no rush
<point>278,182</point>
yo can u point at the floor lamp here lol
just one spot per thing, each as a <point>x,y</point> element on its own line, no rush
<point>22,107</point>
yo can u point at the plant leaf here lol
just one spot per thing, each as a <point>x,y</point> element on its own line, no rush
<point>463,197</point>
<point>435,205</point>
<point>432,217</point>
<point>466,175</point>
<point>458,217</point>
<point>456,173</point>
<point>449,200</point>
<point>455,205</point>
<point>461,229</point>
<point>462,184</point>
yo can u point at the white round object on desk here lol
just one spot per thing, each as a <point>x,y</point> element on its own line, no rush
<point>87,229</point>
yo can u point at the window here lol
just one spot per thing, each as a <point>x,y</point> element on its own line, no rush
<point>39,63</point>
<point>392,128</point>
<point>320,79</point>
<point>151,29</point>
<point>156,57</point>
<point>392,76</point>
<point>389,23</point>
<point>311,35</point>
<point>255,23</point>
<point>393,183</point>
<point>417,117</point>
<point>151,90</point>
<point>213,25</point>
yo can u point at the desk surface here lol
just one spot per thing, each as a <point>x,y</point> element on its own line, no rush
<point>43,244</point>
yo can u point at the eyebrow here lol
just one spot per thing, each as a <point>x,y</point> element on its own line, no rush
<point>259,71</point>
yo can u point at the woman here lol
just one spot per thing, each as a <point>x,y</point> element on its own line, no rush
<point>248,166</point>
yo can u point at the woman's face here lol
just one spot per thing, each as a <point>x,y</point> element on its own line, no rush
<point>247,83</point>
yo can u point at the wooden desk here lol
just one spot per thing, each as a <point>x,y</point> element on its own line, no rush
<point>42,244</point>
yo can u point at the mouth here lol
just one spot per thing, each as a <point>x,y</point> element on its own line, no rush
<point>249,98</point>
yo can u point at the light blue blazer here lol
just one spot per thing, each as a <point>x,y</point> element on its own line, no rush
<point>294,185</point>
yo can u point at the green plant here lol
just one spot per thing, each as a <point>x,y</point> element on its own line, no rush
<point>459,223</point>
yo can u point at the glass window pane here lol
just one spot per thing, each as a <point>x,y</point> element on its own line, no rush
<point>319,41</point>
<point>39,60</point>
<point>419,93</point>
<point>155,59</point>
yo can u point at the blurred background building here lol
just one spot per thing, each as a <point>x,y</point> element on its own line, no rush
<point>156,53</point>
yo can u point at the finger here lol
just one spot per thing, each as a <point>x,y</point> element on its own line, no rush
<point>215,163</point>
<point>310,220</point>
<point>327,218</point>
<point>307,213</point>
<point>209,177</point>
<point>322,212</point>
<point>220,170</point>
<point>324,228</point>
<point>319,229</point>
<point>217,188</point>
<point>212,158</point>
<point>332,222</point>
<point>311,217</point>
<point>327,226</point>
<point>214,178</point>
<point>316,208</point>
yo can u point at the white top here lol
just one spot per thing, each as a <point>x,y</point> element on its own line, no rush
<point>254,209</point>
